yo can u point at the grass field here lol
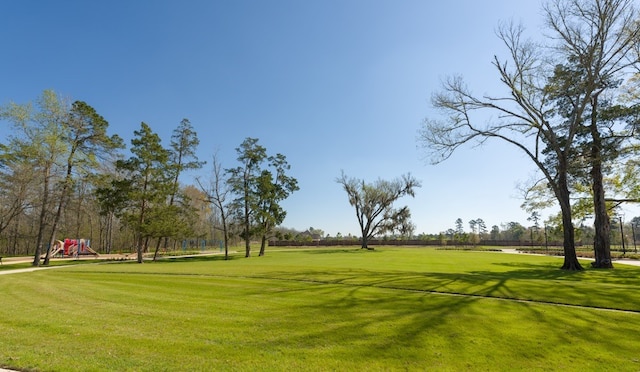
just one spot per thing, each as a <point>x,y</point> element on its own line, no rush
<point>327,309</point>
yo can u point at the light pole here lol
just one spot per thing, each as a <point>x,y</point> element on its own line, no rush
<point>546,239</point>
<point>624,250</point>
<point>633,232</point>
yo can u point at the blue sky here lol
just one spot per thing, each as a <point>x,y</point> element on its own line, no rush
<point>332,84</point>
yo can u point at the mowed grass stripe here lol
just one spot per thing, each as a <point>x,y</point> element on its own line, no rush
<point>522,277</point>
<point>398,285</point>
<point>209,315</point>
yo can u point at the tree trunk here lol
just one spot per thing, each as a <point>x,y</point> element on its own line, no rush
<point>54,231</point>
<point>158,242</point>
<point>139,252</point>
<point>226,248</point>
<point>247,247</point>
<point>571,262</point>
<point>139,249</point>
<point>155,253</point>
<point>365,241</point>
<point>263,245</point>
<point>56,219</point>
<point>602,239</point>
<point>226,235</point>
<point>247,221</point>
<point>42,218</point>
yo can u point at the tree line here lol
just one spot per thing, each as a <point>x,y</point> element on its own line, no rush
<point>63,175</point>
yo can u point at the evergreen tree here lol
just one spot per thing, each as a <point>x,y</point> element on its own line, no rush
<point>243,180</point>
<point>144,188</point>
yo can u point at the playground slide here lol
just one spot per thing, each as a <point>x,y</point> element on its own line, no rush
<point>56,250</point>
<point>91,251</point>
<point>57,247</point>
<point>73,250</point>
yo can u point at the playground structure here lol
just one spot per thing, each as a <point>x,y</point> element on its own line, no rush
<point>72,248</point>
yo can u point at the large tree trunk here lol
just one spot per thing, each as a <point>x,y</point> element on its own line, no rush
<point>571,262</point>
<point>602,239</point>
<point>365,240</point>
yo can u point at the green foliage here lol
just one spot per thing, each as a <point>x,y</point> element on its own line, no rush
<point>38,143</point>
<point>144,187</point>
<point>242,180</point>
<point>184,143</point>
<point>259,191</point>
<point>271,188</point>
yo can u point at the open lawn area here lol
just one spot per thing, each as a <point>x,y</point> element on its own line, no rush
<point>392,309</point>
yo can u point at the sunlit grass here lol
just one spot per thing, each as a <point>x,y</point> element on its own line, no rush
<point>331,309</point>
<point>28,264</point>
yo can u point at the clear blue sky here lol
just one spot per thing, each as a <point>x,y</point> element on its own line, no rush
<point>331,84</point>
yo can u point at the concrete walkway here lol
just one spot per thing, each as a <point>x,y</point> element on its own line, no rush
<point>623,261</point>
<point>102,260</point>
<point>15,260</point>
<point>28,270</point>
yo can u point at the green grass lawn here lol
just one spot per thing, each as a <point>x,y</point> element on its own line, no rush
<point>326,309</point>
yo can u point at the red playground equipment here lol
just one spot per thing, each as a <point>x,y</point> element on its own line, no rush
<point>72,247</point>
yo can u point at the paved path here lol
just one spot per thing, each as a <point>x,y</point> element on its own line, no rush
<point>624,261</point>
<point>102,259</point>
<point>16,260</point>
<point>28,270</point>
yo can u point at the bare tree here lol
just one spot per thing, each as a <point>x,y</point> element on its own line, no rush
<point>16,181</point>
<point>525,121</point>
<point>217,194</point>
<point>549,90</point>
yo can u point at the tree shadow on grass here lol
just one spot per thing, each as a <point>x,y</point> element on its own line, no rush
<point>540,282</point>
<point>362,321</point>
<point>416,310</point>
<point>342,250</point>
<point>197,258</point>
